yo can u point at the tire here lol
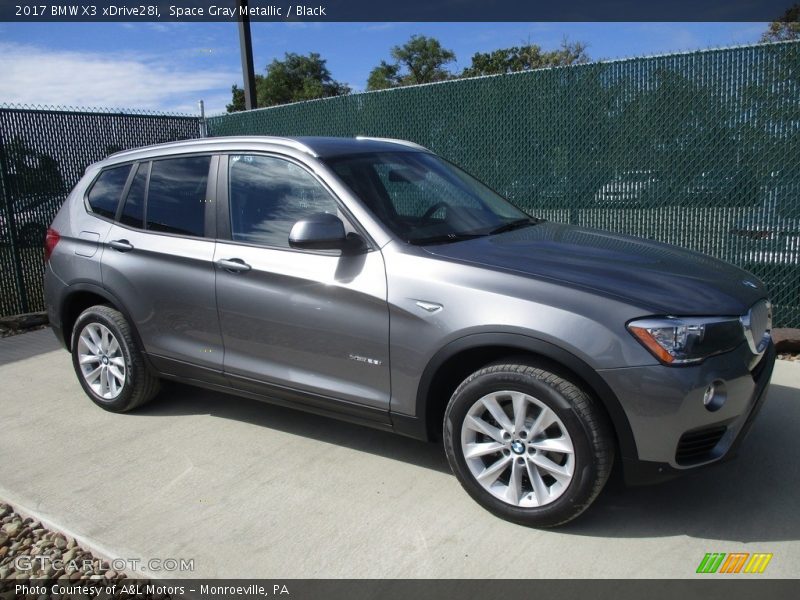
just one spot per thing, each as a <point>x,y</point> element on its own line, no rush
<point>542,470</point>
<point>136,385</point>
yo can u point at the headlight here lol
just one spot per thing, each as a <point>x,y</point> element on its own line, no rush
<point>678,341</point>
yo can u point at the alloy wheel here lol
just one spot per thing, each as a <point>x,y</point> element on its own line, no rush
<point>101,361</point>
<point>517,449</point>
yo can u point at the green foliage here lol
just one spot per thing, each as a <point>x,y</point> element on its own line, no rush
<point>421,59</point>
<point>785,28</point>
<point>295,78</point>
<point>525,58</point>
<point>384,76</point>
<point>237,98</point>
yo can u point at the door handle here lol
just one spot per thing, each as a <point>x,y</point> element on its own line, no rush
<point>233,265</point>
<point>121,245</point>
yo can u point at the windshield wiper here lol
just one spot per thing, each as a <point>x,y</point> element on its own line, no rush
<point>515,224</point>
<point>447,238</point>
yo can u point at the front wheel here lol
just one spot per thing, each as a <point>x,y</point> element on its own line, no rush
<point>527,444</point>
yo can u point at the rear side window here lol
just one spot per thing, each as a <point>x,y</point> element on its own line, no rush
<point>177,194</point>
<point>107,190</point>
<point>133,209</point>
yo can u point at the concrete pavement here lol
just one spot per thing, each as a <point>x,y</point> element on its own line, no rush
<point>246,489</point>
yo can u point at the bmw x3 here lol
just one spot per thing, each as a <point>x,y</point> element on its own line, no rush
<point>371,280</point>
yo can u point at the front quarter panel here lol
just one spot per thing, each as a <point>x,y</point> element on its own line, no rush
<point>474,299</point>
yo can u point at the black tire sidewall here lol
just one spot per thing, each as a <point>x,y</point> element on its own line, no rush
<point>579,492</point>
<point>123,400</point>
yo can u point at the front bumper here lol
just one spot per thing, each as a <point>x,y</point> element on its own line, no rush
<point>664,406</point>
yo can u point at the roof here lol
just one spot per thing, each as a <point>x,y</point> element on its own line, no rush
<point>313,146</point>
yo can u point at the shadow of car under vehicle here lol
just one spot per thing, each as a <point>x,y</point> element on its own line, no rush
<point>750,499</point>
<point>180,399</point>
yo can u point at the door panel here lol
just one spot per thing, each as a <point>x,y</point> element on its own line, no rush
<point>167,281</point>
<point>167,284</point>
<point>309,321</point>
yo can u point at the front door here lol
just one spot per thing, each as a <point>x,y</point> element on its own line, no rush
<point>308,325</point>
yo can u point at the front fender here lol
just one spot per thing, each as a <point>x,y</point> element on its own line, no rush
<point>419,428</point>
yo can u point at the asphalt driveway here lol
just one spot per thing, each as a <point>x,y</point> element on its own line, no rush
<point>245,489</point>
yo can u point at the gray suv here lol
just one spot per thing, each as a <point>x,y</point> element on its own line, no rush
<point>371,280</point>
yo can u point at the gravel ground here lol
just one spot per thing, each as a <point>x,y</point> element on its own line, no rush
<point>5,332</point>
<point>31,553</point>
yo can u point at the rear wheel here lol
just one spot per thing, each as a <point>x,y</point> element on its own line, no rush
<point>110,367</point>
<point>527,444</point>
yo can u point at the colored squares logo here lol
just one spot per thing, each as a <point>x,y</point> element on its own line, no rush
<point>734,562</point>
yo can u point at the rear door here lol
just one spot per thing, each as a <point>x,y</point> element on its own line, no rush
<point>158,262</point>
<point>312,326</point>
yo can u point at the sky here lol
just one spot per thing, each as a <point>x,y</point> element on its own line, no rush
<point>170,66</point>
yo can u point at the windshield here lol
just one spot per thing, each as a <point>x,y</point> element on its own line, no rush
<point>424,199</point>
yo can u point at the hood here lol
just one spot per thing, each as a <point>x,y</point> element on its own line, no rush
<point>659,277</point>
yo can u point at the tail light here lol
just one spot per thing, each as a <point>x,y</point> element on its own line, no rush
<point>50,241</point>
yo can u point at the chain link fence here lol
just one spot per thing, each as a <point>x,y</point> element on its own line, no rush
<point>43,154</point>
<point>698,149</point>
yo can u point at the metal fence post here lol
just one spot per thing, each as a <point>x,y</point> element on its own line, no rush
<point>203,122</point>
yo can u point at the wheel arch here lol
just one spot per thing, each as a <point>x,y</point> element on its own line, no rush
<point>81,296</point>
<point>469,353</point>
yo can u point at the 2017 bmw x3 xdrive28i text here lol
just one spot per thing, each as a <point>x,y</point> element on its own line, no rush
<point>371,280</point>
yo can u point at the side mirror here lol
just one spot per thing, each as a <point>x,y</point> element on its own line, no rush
<point>320,231</point>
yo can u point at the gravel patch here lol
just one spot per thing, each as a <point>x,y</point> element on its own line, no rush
<point>16,324</point>
<point>4,333</point>
<point>31,553</point>
<point>789,356</point>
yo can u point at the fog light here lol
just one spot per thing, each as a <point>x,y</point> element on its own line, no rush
<point>715,396</point>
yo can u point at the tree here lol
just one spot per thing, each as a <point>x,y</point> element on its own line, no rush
<point>293,79</point>
<point>237,98</point>
<point>424,58</point>
<point>785,28</point>
<point>384,76</point>
<point>420,60</point>
<point>525,58</point>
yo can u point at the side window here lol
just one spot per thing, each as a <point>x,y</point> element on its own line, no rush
<point>269,195</point>
<point>107,190</point>
<point>133,209</point>
<point>176,197</point>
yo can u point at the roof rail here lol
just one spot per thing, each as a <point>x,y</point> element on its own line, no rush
<point>278,141</point>
<point>392,141</point>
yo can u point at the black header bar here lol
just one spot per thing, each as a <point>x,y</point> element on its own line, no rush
<point>405,11</point>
